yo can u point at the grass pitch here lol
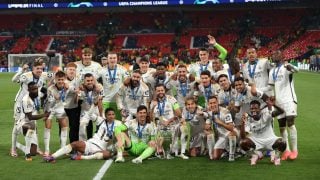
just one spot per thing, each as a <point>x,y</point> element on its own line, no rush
<point>305,167</point>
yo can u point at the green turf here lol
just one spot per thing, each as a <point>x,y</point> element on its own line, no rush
<point>305,167</point>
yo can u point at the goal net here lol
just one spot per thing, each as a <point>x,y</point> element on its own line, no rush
<point>16,61</point>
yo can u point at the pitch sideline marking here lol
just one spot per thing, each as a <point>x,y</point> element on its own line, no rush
<point>103,170</point>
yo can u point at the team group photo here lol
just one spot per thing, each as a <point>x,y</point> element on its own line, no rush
<point>229,91</point>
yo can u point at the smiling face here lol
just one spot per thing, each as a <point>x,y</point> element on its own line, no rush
<point>161,72</point>
<point>110,116</point>
<point>190,105</point>
<point>160,91</point>
<point>239,85</point>
<point>135,79</point>
<point>142,116</point>
<point>251,54</point>
<point>255,111</point>
<point>112,59</point>
<point>213,104</point>
<point>143,65</point>
<point>182,74</point>
<point>37,70</point>
<point>224,83</point>
<point>60,81</point>
<point>204,56</point>
<point>205,80</point>
<point>89,82</point>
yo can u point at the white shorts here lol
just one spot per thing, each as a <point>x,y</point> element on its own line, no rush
<point>59,113</point>
<point>223,141</point>
<point>91,148</point>
<point>17,110</point>
<point>264,143</point>
<point>86,116</point>
<point>196,141</point>
<point>290,109</point>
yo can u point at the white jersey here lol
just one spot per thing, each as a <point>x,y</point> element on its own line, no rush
<point>129,99</point>
<point>105,136</point>
<point>183,90</point>
<point>225,71</point>
<point>196,69</point>
<point>207,91</point>
<point>90,98</point>
<point>140,133</point>
<point>225,116</point>
<point>153,81</point>
<point>28,106</point>
<point>147,74</point>
<point>282,79</point>
<point>243,100</point>
<point>70,100</point>
<point>56,98</point>
<point>112,80</point>
<point>196,121</point>
<point>225,97</point>
<point>263,127</point>
<point>93,69</point>
<point>165,110</point>
<point>25,78</point>
<point>258,74</point>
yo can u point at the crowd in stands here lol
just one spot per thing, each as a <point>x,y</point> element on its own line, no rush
<point>163,35</point>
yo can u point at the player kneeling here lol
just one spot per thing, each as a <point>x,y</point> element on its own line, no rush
<point>26,123</point>
<point>141,139</point>
<point>100,146</point>
<point>261,136</point>
<point>226,132</point>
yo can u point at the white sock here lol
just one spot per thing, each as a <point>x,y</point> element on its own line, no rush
<point>14,135</point>
<point>46,139</point>
<point>232,144</point>
<point>183,142</point>
<point>210,144</point>
<point>82,132</point>
<point>21,147</point>
<point>62,151</point>
<point>284,134</point>
<point>98,155</point>
<point>119,153</point>
<point>28,139</point>
<point>63,136</point>
<point>175,147</point>
<point>293,137</point>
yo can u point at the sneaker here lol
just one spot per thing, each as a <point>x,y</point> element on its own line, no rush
<point>231,157</point>
<point>75,156</point>
<point>285,155</point>
<point>13,153</point>
<point>28,157</point>
<point>276,161</point>
<point>169,156</point>
<point>119,159</point>
<point>293,155</point>
<point>254,159</point>
<point>183,156</point>
<point>137,160</point>
<point>49,159</point>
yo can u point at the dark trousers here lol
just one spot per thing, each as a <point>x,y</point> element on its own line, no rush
<point>74,123</point>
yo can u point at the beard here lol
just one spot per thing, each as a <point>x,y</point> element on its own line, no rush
<point>161,76</point>
<point>134,83</point>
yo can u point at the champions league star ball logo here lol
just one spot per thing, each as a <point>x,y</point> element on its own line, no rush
<point>206,1</point>
<point>79,5</point>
